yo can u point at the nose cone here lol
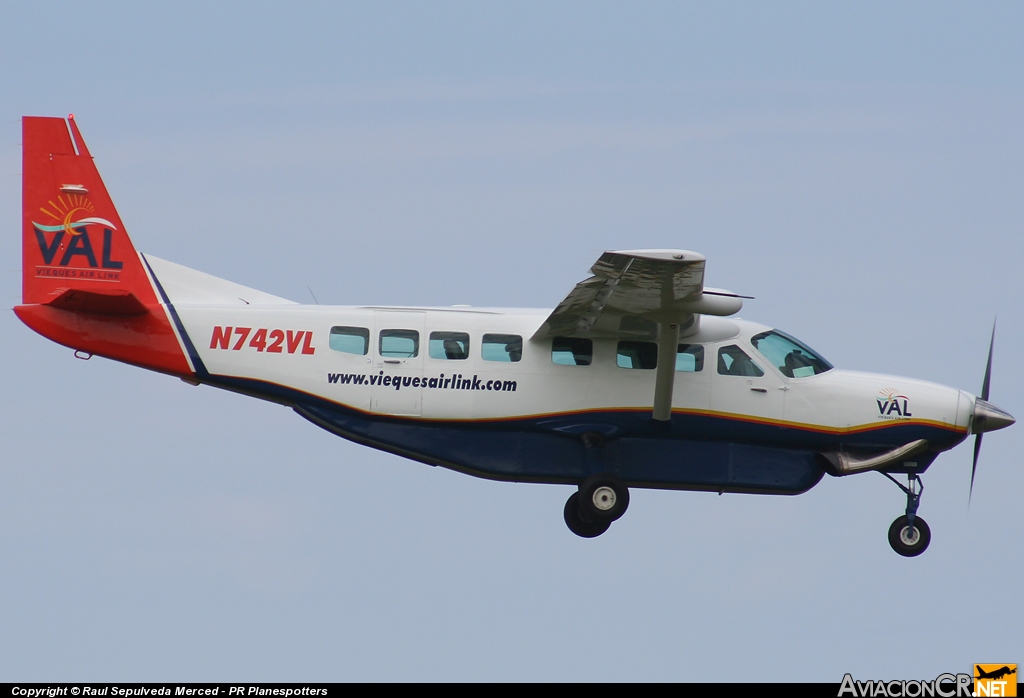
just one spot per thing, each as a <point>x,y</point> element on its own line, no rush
<point>988,417</point>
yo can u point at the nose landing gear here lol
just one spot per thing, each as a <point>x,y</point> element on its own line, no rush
<point>909,535</point>
<point>909,539</point>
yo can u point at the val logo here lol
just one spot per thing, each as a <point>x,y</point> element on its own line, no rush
<point>995,680</point>
<point>66,245</point>
<point>893,406</point>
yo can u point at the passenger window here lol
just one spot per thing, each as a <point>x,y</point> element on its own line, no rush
<point>733,362</point>
<point>350,340</point>
<point>690,358</point>
<point>449,345</point>
<point>399,344</point>
<point>637,355</point>
<point>571,351</point>
<point>502,347</point>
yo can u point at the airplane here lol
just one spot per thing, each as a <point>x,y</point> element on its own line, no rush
<point>995,674</point>
<point>642,377</point>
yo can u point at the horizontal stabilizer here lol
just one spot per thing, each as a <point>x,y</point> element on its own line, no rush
<point>105,303</point>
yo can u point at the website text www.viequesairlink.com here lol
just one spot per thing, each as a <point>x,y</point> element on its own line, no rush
<point>441,382</point>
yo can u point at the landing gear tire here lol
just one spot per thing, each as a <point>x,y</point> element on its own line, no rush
<point>603,498</point>
<point>909,541</point>
<point>577,524</point>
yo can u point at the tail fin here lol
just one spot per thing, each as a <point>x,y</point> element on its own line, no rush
<point>72,235</point>
<point>83,283</point>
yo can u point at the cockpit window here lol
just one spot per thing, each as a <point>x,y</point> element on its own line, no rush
<point>733,361</point>
<point>792,357</point>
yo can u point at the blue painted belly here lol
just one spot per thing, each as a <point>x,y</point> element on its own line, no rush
<point>538,456</point>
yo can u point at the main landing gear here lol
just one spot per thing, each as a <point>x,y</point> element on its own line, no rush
<point>909,535</point>
<point>600,500</point>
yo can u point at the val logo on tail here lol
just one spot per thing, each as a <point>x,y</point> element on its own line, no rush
<point>79,240</point>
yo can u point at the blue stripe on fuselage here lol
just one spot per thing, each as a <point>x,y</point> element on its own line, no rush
<point>197,363</point>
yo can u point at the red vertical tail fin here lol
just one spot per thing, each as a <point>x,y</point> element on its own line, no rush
<point>72,236</point>
<point>83,283</point>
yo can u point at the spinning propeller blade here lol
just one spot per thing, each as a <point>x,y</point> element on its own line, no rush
<point>987,417</point>
<point>988,366</point>
<point>984,396</point>
<point>974,467</point>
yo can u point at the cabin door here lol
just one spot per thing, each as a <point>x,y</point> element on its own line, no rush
<point>743,387</point>
<point>398,350</point>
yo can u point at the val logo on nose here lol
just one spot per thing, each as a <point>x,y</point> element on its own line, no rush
<point>893,406</point>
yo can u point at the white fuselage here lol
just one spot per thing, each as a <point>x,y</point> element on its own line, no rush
<point>264,339</point>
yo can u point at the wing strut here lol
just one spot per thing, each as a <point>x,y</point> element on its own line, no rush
<point>665,378</point>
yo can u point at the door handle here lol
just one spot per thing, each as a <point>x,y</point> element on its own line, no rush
<point>760,390</point>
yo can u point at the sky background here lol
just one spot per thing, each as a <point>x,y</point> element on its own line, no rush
<point>857,167</point>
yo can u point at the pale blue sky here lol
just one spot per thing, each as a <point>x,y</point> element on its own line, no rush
<point>858,168</point>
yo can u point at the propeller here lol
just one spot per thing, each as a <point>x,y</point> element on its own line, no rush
<point>987,417</point>
<point>984,396</point>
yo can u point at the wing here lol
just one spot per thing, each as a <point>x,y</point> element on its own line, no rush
<point>631,291</point>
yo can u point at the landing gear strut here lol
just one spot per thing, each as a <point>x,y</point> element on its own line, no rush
<point>601,499</point>
<point>909,535</point>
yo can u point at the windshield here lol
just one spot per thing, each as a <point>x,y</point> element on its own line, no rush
<point>791,356</point>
